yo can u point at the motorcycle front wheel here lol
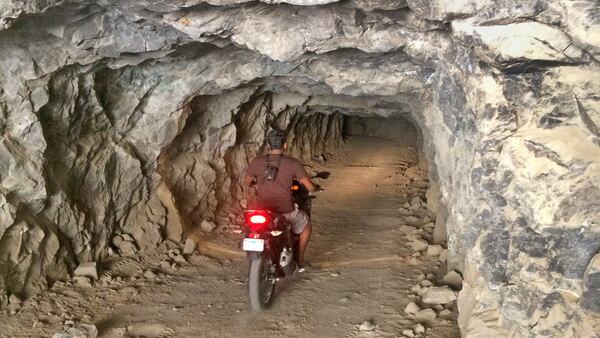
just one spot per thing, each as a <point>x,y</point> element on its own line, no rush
<point>261,282</point>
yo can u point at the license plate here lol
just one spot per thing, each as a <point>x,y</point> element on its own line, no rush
<point>251,244</point>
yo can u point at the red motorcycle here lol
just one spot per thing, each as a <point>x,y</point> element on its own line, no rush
<point>272,249</point>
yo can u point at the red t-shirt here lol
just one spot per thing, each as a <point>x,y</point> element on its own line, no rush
<point>276,195</point>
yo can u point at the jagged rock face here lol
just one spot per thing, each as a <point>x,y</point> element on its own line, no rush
<point>138,117</point>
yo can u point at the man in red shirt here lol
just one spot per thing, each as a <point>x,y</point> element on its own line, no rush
<point>274,187</point>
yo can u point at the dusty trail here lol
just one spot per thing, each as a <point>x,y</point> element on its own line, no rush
<point>364,271</point>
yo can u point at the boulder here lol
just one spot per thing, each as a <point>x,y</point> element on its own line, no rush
<point>149,274</point>
<point>189,247</point>
<point>367,325</point>
<point>125,244</point>
<point>419,329</point>
<point>426,283</point>
<point>453,279</point>
<point>207,226</point>
<point>443,257</point>
<point>411,308</point>
<point>408,333</point>
<point>78,331</point>
<point>127,248</point>
<point>445,314</point>
<point>434,250</point>
<point>438,295</point>
<point>82,281</point>
<point>418,245</point>
<point>88,269</point>
<point>426,316</point>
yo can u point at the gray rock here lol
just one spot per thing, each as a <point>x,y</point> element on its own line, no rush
<point>149,274</point>
<point>591,286</point>
<point>445,314</point>
<point>78,331</point>
<point>14,300</point>
<point>14,303</point>
<point>127,238</point>
<point>117,241</point>
<point>408,333</point>
<point>426,316</point>
<point>443,257</point>
<point>418,289</point>
<point>411,308</point>
<point>96,142</point>
<point>426,284</point>
<point>125,244</point>
<point>453,279</point>
<point>87,270</point>
<point>418,245</point>
<point>438,295</point>
<point>83,281</point>
<point>434,250</point>
<point>189,247</point>
<point>542,42</point>
<point>127,248</point>
<point>367,325</point>
<point>179,259</point>
<point>207,226</point>
<point>419,329</point>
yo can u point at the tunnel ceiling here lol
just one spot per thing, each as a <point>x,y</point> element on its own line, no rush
<point>106,105</point>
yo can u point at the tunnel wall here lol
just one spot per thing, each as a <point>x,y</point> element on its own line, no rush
<point>505,181</point>
<point>92,93</point>
<point>99,184</point>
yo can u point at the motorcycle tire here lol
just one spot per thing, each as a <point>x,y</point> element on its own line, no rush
<point>260,283</point>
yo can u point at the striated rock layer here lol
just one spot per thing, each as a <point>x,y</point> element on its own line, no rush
<point>138,117</point>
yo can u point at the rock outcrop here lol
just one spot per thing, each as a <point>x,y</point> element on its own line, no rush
<point>137,118</point>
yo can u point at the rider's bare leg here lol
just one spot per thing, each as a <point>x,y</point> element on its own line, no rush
<point>303,242</point>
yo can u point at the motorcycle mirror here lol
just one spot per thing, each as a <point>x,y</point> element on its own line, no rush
<point>323,174</point>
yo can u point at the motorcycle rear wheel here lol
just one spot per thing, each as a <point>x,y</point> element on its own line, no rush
<point>261,283</point>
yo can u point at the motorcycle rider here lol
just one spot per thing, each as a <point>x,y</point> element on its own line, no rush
<point>273,187</point>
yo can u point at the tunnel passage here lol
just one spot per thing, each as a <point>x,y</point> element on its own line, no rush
<point>205,163</point>
<point>402,129</point>
<point>399,129</point>
<point>203,166</point>
<point>94,93</point>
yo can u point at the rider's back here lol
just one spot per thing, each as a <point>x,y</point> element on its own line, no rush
<point>276,194</point>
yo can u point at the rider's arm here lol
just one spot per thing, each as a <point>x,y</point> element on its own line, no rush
<point>309,184</point>
<point>248,181</point>
<point>301,175</point>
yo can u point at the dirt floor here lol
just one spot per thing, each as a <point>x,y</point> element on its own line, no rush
<point>364,271</point>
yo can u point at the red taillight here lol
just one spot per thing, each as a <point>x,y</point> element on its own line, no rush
<point>257,219</point>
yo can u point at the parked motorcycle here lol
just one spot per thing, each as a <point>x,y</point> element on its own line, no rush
<point>272,249</point>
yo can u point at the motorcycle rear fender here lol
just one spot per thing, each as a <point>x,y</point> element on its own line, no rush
<point>252,256</point>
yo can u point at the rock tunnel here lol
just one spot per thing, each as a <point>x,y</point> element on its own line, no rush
<point>126,126</point>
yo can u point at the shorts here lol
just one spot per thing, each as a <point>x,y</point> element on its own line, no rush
<point>298,218</point>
